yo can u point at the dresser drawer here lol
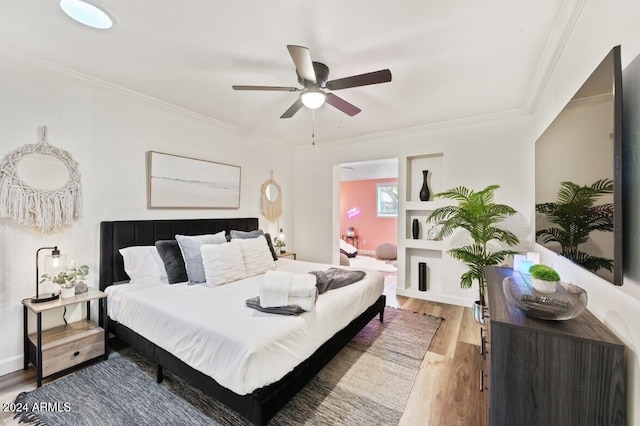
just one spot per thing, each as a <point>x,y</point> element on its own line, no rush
<point>69,345</point>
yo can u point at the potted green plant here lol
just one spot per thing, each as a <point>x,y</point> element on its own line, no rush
<point>279,244</point>
<point>544,278</point>
<point>574,216</point>
<point>67,278</point>
<point>477,213</point>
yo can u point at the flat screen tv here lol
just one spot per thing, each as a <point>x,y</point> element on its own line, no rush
<point>578,175</point>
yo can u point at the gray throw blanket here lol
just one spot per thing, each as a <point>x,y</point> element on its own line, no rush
<point>327,280</point>
<point>334,278</point>
<point>254,303</point>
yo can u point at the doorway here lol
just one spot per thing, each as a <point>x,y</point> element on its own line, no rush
<point>367,221</point>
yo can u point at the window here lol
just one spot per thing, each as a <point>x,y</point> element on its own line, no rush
<point>388,199</point>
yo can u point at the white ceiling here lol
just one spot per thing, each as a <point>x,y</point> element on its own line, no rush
<point>449,59</point>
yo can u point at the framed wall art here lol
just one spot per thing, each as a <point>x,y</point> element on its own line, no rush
<point>176,182</point>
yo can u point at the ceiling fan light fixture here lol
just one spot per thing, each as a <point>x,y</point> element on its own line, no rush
<point>87,14</point>
<point>313,98</point>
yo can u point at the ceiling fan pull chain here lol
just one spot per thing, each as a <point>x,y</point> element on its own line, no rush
<point>313,127</point>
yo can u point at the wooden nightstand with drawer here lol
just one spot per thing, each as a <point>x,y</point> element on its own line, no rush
<point>60,348</point>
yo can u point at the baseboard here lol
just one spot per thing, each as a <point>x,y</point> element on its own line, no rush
<point>434,296</point>
<point>10,365</point>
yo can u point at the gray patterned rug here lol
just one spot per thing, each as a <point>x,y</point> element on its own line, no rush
<point>367,383</point>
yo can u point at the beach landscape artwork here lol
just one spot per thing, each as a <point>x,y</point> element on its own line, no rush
<point>176,182</point>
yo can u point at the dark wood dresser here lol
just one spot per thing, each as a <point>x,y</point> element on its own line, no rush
<point>540,372</point>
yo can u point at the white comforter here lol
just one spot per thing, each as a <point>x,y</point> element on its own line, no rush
<point>213,331</point>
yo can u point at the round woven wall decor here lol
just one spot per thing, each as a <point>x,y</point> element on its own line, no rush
<point>271,209</point>
<point>41,209</point>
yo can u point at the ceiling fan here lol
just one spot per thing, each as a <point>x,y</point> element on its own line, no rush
<point>313,77</point>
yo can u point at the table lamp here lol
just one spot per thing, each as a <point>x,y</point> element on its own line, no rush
<point>55,257</point>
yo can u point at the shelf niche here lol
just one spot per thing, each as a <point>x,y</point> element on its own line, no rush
<point>415,165</point>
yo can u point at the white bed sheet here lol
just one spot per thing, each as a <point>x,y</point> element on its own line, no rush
<point>213,331</point>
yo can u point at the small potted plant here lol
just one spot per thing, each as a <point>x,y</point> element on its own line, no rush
<point>279,244</point>
<point>544,278</point>
<point>67,278</point>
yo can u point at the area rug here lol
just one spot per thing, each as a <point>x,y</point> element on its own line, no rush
<point>367,383</point>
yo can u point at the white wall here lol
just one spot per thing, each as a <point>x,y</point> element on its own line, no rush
<point>477,153</point>
<point>108,132</point>
<point>600,26</point>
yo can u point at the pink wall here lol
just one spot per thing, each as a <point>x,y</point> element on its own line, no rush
<point>370,229</point>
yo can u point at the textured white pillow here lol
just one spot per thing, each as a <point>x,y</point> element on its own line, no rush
<point>190,248</point>
<point>256,255</point>
<point>144,265</point>
<point>222,263</point>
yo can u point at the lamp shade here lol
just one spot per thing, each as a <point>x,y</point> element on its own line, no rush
<point>313,98</point>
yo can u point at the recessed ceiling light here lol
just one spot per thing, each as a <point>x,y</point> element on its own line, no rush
<point>87,14</point>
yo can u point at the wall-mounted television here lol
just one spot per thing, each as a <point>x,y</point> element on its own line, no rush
<point>578,175</point>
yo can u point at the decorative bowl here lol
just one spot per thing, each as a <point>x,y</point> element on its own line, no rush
<point>568,301</point>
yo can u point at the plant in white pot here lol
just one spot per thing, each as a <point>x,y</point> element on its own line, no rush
<point>544,278</point>
<point>478,214</point>
<point>67,278</point>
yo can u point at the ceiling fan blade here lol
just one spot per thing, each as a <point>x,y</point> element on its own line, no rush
<point>302,59</point>
<point>270,88</point>
<point>382,76</point>
<point>292,109</point>
<point>342,105</point>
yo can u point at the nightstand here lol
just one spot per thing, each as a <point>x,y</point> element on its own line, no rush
<point>353,238</point>
<point>66,346</point>
<point>287,253</point>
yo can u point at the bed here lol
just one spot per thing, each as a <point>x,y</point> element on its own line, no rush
<point>293,348</point>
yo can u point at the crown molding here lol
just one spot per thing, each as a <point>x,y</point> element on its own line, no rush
<point>563,26</point>
<point>68,72</point>
<point>382,136</point>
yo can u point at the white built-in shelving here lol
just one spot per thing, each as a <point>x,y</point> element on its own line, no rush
<point>412,251</point>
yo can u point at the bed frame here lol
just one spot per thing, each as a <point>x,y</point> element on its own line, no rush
<point>262,404</point>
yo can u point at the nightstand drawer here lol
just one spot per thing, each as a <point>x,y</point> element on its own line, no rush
<point>69,345</point>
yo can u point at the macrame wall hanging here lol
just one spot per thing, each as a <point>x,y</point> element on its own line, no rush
<point>46,210</point>
<point>271,205</point>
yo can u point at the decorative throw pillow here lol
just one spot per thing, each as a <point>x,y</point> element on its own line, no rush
<point>255,234</point>
<point>256,256</point>
<point>244,234</point>
<point>270,245</point>
<point>190,248</point>
<point>143,265</point>
<point>171,256</point>
<point>222,263</point>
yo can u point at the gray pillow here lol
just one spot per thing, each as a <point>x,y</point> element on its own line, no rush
<point>244,234</point>
<point>190,248</point>
<point>270,244</point>
<point>171,256</point>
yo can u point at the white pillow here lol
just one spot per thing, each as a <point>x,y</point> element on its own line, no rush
<point>190,248</point>
<point>222,263</point>
<point>144,265</point>
<point>256,256</point>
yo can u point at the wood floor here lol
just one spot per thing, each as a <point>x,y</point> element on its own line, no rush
<point>445,391</point>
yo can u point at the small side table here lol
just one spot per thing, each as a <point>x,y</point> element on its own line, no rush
<point>353,238</point>
<point>287,253</point>
<point>59,348</point>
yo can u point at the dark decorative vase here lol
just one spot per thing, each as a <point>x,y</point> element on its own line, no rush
<point>415,229</point>
<point>425,192</point>
<point>422,276</point>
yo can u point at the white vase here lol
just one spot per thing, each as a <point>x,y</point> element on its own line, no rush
<point>544,286</point>
<point>66,292</point>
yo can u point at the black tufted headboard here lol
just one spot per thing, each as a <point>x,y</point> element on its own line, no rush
<point>125,233</point>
